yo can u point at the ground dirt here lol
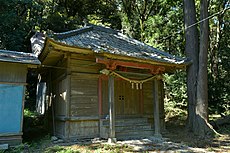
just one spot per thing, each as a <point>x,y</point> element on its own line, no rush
<point>175,139</point>
<point>179,134</point>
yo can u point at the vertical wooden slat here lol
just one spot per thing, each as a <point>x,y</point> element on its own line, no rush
<point>112,138</point>
<point>100,96</point>
<point>68,89</point>
<point>141,102</point>
<point>156,109</point>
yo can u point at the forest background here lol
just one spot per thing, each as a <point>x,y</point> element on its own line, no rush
<point>159,23</point>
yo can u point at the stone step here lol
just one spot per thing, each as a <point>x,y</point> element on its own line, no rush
<point>134,134</point>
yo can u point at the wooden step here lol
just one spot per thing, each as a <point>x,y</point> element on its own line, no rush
<point>120,122</point>
<point>134,134</point>
<point>128,128</point>
<point>134,127</point>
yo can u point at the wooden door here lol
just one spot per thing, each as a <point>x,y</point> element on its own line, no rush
<point>127,100</point>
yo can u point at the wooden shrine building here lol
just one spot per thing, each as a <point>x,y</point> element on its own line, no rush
<point>13,72</point>
<point>103,84</point>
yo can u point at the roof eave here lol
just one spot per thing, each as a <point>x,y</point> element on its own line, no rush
<point>141,60</point>
<point>50,43</point>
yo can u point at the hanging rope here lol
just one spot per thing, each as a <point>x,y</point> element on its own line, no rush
<point>133,82</point>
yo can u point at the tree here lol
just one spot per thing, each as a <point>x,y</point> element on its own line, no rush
<point>137,13</point>
<point>20,19</point>
<point>219,61</point>
<point>197,50</point>
<point>13,26</point>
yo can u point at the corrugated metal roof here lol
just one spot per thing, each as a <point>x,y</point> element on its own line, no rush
<point>101,39</point>
<point>18,57</point>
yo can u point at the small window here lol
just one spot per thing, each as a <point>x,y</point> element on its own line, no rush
<point>121,97</point>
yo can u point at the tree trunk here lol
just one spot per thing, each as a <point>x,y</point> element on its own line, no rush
<point>191,50</point>
<point>197,81</point>
<point>202,80</point>
<point>202,127</point>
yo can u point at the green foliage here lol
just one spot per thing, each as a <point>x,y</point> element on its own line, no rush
<point>29,113</point>
<point>135,14</point>
<point>219,61</point>
<point>14,24</point>
<point>20,19</point>
<point>175,89</point>
<point>175,95</point>
<point>59,149</point>
<point>163,30</point>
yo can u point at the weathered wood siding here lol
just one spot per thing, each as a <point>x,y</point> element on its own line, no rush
<point>61,98</point>
<point>105,100</point>
<point>85,64</point>
<point>148,102</point>
<point>60,129</point>
<point>84,129</point>
<point>84,95</point>
<point>12,72</point>
<point>148,97</point>
<point>84,98</point>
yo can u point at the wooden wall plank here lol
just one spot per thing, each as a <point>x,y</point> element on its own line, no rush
<point>148,98</point>
<point>60,129</point>
<point>84,95</point>
<point>84,129</point>
<point>89,66</point>
<point>61,97</point>
<point>105,103</point>
<point>12,72</point>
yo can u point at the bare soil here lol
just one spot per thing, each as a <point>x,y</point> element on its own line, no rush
<point>175,139</point>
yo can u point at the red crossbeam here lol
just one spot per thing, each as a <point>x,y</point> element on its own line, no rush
<point>112,65</point>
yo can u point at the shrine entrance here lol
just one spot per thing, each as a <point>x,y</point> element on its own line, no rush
<point>127,99</point>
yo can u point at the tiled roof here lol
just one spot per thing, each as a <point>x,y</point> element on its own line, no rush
<point>100,39</point>
<point>18,57</point>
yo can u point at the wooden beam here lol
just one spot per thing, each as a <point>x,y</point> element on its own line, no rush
<point>14,83</point>
<point>112,65</point>
<point>111,138</point>
<point>134,74</point>
<point>11,134</point>
<point>77,118</point>
<point>156,109</point>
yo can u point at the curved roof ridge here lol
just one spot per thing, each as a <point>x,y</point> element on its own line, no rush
<point>105,29</point>
<point>70,33</point>
<point>60,35</point>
